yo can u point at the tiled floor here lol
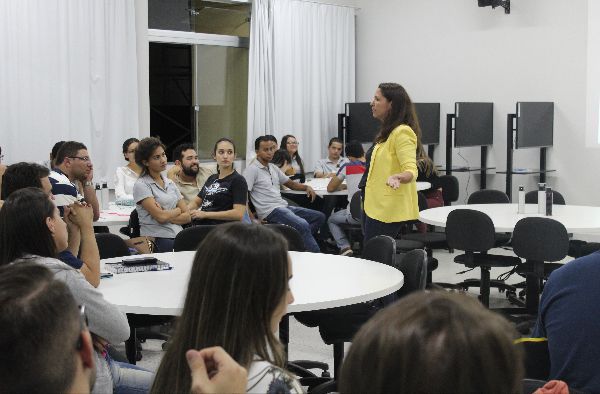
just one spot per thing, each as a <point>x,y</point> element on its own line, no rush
<point>305,342</point>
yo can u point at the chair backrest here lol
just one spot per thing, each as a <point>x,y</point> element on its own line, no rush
<point>133,227</point>
<point>191,237</point>
<point>111,245</point>
<point>532,197</point>
<point>470,230</point>
<point>355,206</point>
<point>422,201</point>
<point>293,237</point>
<point>414,268</point>
<point>381,248</point>
<point>488,196</point>
<point>449,185</point>
<point>540,239</point>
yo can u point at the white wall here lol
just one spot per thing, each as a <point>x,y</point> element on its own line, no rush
<point>447,51</point>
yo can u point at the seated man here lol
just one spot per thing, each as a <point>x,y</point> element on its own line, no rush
<point>45,343</point>
<point>569,319</point>
<point>82,241</point>
<point>327,168</point>
<point>264,183</point>
<point>187,173</point>
<point>72,176</point>
<point>351,171</point>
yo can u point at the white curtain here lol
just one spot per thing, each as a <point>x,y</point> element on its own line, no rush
<point>302,72</point>
<point>68,72</point>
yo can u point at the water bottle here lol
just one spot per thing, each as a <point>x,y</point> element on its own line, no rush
<point>105,198</point>
<point>98,188</point>
<point>542,198</point>
<point>549,201</point>
<point>521,200</point>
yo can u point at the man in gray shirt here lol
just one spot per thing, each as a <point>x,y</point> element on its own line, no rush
<point>327,168</point>
<point>264,186</point>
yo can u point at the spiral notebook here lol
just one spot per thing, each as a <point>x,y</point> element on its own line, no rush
<point>138,265</point>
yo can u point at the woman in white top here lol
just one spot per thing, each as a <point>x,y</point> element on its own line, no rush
<point>126,176</point>
<point>238,292</point>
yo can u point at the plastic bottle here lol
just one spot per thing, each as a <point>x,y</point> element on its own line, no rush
<point>549,201</point>
<point>521,200</point>
<point>542,198</point>
<point>105,197</point>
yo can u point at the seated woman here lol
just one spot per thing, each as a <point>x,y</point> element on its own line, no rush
<point>31,229</point>
<point>428,173</point>
<point>282,159</point>
<point>126,176</point>
<point>290,144</point>
<point>160,205</point>
<point>224,196</point>
<point>434,342</point>
<point>238,292</point>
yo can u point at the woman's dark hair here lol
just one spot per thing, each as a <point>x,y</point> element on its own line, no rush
<point>238,279</point>
<point>354,149</point>
<point>39,317</point>
<point>435,342</point>
<point>126,144</point>
<point>296,156</point>
<point>144,151</point>
<point>23,228</point>
<point>401,112</point>
<point>280,157</point>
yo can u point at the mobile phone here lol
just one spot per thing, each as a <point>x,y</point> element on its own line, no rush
<point>106,275</point>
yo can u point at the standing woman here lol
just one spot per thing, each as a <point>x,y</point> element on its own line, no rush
<point>290,143</point>
<point>391,189</point>
<point>224,196</point>
<point>159,203</point>
<point>126,176</point>
<point>238,292</point>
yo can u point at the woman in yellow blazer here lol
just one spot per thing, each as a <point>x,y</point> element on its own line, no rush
<point>391,190</point>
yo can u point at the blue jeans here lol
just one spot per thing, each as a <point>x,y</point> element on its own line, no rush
<point>306,221</point>
<point>340,217</point>
<point>373,228</point>
<point>129,378</point>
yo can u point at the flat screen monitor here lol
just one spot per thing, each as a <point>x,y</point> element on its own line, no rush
<point>474,124</point>
<point>429,120</point>
<point>535,124</point>
<point>361,125</point>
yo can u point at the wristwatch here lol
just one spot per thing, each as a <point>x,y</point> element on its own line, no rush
<point>88,183</point>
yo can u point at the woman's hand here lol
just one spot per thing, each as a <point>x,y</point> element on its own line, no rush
<point>214,371</point>
<point>395,180</point>
<point>198,214</point>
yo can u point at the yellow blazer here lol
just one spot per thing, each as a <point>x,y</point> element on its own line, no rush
<point>397,154</point>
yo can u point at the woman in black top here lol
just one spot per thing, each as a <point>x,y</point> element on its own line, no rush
<point>224,196</point>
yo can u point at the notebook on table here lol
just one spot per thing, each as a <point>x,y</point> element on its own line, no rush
<point>140,264</point>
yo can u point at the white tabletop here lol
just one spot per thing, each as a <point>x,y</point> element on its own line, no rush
<point>115,215</point>
<point>319,185</point>
<point>575,218</point>
<point>320,281</point>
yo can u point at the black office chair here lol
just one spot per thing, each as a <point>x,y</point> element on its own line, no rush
<point>132,230</point>
<point>488,196</point>
<point>473,232</point>
<point>538,240</point>
<point>191,237</point>
<point>293,237</point>
<point>532,198</point>
<point>111,245</point>
<point>450,188</point>
<point>355,209</point>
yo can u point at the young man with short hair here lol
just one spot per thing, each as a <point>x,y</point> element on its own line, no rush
<point>72,177</point>
<point>352,172</point>
<point>187,173</point>
<point>264,186</point>
<point>327,168</point>
<point>45,343</point>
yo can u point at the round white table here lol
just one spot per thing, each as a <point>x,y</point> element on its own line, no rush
<point>575,218</point>
<point>319,185</point>
<point>115,215</point>
<point>320,281</point>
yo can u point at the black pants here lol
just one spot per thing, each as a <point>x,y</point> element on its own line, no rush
<point>373,228</point>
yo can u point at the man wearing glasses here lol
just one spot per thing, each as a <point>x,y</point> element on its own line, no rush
<point>72,177</point>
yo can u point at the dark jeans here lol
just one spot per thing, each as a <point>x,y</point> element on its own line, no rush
<point>306,221</point>
<point>163,245</point>
<point>373,228</point>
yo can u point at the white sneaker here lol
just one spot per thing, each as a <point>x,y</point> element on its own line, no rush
<point>346,252</point>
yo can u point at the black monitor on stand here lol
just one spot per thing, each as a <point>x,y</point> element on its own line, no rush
<point>473,125</point>
<point>358,123</point>
<point>534,129</point>
<point>429,121</point>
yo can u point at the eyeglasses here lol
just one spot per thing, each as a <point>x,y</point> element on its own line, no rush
<point>84,158</point>
<point>293,143</point>
<point>1,158</point>
<point>83,323</point>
